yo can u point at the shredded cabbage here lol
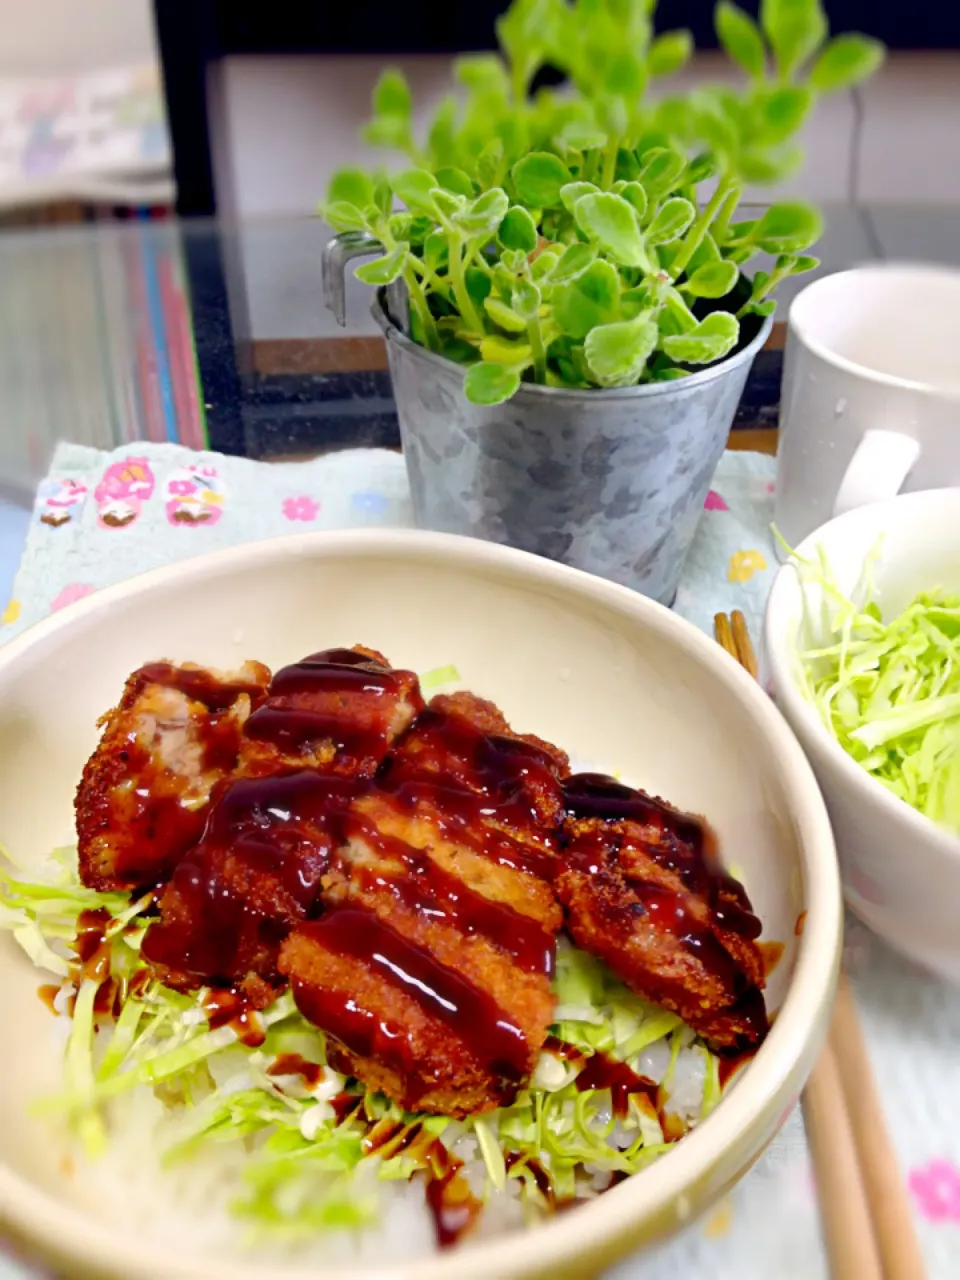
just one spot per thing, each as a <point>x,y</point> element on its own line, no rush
<point>306,1167</point>
<point>889,692</point>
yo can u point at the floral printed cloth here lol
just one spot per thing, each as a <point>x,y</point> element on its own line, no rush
<point>102,517</point>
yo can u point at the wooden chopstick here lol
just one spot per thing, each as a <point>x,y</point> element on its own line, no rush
<point>867,1223</point>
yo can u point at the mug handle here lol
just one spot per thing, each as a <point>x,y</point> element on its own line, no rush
<point>877,470</point>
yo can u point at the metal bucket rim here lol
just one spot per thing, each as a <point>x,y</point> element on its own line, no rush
<point>644,391</point>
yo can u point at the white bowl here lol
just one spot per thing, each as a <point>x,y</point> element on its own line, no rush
<point>901,872</point>
<point>613,677</point>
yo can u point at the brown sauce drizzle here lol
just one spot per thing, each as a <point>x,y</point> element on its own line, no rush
<point>454,1206</point>
<point>345,1105</point>
<point>279,827</point>
<point>337,696</point>
<point>541,1178</point>
<point>48,993</point>
<point>772,953</point>
<point>603,1072</point>
<point>801,921</point>
<point>424,887</point>
<point>291,1064</point>
<point>686,847</point>
<point>230,1008</point>
<point>91,945</point>
<point>199,685</point>
<point>470,1013</point>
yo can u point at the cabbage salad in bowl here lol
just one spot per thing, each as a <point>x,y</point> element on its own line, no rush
<point>340,969</point>
<point>888,690</point>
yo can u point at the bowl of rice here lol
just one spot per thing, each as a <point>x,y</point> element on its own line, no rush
<point>142,1137</point>
<point>862,648</point>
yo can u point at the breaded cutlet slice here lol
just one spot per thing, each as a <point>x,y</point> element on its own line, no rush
<point>143,796</point>
<point>273,828</point>
<point>644,890</point>
<point>338,711</point>
<point>431,969</point>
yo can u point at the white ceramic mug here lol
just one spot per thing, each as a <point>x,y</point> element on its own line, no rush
<point>870,404</point>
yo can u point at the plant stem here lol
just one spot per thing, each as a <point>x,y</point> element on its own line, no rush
<point>609,164</point>
<point>464,301</point>
<point>535,338</point>
<point>700,227</point>
<point>418,300</point>
<point>722,222</point>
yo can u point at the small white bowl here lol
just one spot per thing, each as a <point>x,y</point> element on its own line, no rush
<point>613,677</point>
<point>901,872</point>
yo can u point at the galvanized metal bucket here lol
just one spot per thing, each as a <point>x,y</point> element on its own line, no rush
<point>611,481</point>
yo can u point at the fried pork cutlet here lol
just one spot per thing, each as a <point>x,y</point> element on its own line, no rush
<point>142,800</point>
<point>430,969</point>
<point>644,890</point>
<point>325,725</point>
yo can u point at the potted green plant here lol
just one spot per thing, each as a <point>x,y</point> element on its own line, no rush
<point>562,274</point>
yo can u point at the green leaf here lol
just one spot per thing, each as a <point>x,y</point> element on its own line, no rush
<point>661,171</point>
<point>633,192</point>
<point>435,249</point>
<point>442,134</point>
<point>764,166</point>
<point>669,52</point>
<point>446,204</point>
<point>804,263</point>
<point>674,117</point>
<point>391,96</point>
<point>740,37</point>
<point>676,316</point>
<point>501,314</point>
<point>610,222</point>
<point>383,197</point>
<point>514,260</point>
<point>765,308</point>
<point>624,76</point>
<point>706,251</point>
<point>343,216</point>
<point>543,265</point>
<point>500,350</point>
<point>777,114</point>
<point>484,71</point>
<point>617,353</point>
<point>457,181</point>
<point>416,188</point>
<point>352,186</point>
<point>582,136</point>
<point>478,284</point>
<point>490,163</point>
<point>714,126</point>
<point>538,178</point>
<point>710,340</point>
<point>572,191</point>
<point>387,131</point>
<point>573,262</point>
<point>672,220</point>
<point>789,226</point>
<point>384,270</point>
<point>846,61</point>
<point>525,299</point>
<point>518,230</point>
<point>699,169</point>
<point>589,300</point>
<point>712,280</point>
<point>484,215</point>
<point>795,29</point>
<point>488,383</point>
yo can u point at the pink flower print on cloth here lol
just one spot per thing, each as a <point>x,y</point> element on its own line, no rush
<point>301,508</point>
<point>71,594</point>
<point>60,500</point>
<point>936,1189</point>
<point>194,496</point>
<point>714,502</point>
<point>125,487</point>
